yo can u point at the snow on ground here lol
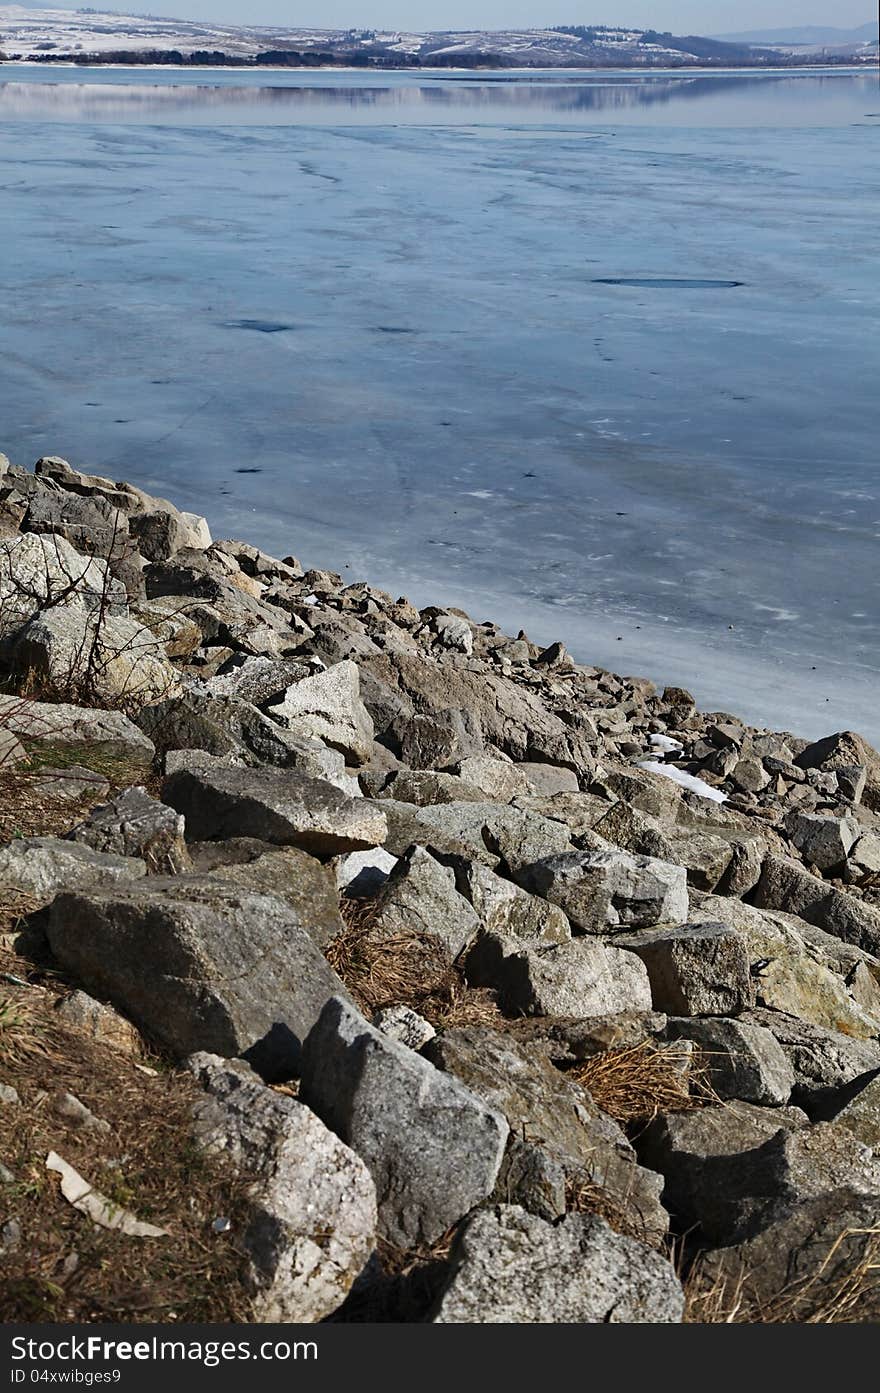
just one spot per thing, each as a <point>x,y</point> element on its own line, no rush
<point>688,781</point>
<point>666,744</point>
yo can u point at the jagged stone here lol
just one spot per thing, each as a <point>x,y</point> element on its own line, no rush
<point>134,824</point>
<point>503,908</point>
<point>823,841</point>
<point>695,970</point>
<point>744,1061</point>
<point>102,656</point>
<point>508,1266</point>
<point>274,805</point>
<point>41,866</point>
<point>824,1061</point>
<point>295,877</point>
<point>99,1022</point>
<point>311,1201</point>
<point>420,897</point>
<point>329,708</point>
<point>579,978</point>
<point>198,964</point>
<point>433,1148</point>
<point>64,724</point>
<point>607,891</point>
<point>553,1113</point>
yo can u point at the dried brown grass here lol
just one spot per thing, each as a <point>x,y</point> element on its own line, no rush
<point>404,969</point>
<point>586,1195</point>
<point>835,1293</point>
<point>634,1084</point>
<point>67,1269</point>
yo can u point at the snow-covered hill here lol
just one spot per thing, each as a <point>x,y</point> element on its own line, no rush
<point>50,33</point>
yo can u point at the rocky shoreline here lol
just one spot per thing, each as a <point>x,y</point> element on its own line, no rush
<point>510,989</point>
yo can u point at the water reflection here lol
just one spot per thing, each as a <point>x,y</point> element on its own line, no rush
<point>134,96</point>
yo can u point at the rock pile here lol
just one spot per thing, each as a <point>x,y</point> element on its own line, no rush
<point>556,965</point>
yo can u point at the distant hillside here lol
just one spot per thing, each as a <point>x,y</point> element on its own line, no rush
<point>89,36</point>
<point>805,34</point>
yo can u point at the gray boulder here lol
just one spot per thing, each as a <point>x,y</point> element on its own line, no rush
<point>198,964</point>
<point>860,1114</point>
<point>503,908</point>
<point>329,707</point>
<point>579,978</point>
<point>420,897</point>
<point>134,824</point>
<point>744,1061</point>
<point>554,1115</point>
<point>823,1061</point>
<point>695,970</point>
<point>683,1146</point>
<point>61,723</point>
<point>433,1148</point>
<point>311,1202</point>
<point>99,656</point>
<point>41,866</point>
<point>823,841</point>
<point>303,882</point>
<point>606,891</point>
<point>274,805</point>
<point>809,1265</point>
<point>510,1267</point>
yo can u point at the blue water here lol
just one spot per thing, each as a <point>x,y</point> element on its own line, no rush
<point>595,354</point>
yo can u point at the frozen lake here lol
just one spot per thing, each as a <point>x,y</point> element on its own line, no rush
<point>596,353</point>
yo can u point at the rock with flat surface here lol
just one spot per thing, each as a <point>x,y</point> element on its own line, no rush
<point>311,1202</point>
<point>683,1147</point>
<point>433,1148</point>
<point>64,724</point>
<point>230,728</point>
<point>744,1061</point>
<point>695,970</point>
<point>292,875</point>
<point>40,570</point>
<point>510,1267</point>
<point>554,1114</point>
<point>503,908</point>
<point>99,1022</point>
<point>103,657</point>
<point>198,964</point>
<point>823,1061</point>
<point>134,824</point>
<point>579,978</point>
<point>420,897</point>
<point>806,1265</point>
<point>405,1026</point>
<point>329,707</point>
<point>41,866</point>
<point>274,805</point>
<point>609,891</point>
<point>824,842</point>
<point>860,1114</point>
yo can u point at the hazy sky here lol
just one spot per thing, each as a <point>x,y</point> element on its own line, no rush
<point>679,16</point>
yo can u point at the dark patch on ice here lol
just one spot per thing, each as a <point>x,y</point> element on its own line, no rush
<point>248,471</point>
<point>259,326</point>
<point>391,329</point>
<point>664,282</point>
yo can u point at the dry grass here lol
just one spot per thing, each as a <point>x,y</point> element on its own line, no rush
<point>29,807</point>
<point>842,1291</point>
<point>66,1268</point>
<point>634,1084</point>
<point>586,1195</point>
<point>402,1284</point>
<point>404,969</point>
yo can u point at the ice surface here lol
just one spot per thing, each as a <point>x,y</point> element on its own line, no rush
<point>670,477</point>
